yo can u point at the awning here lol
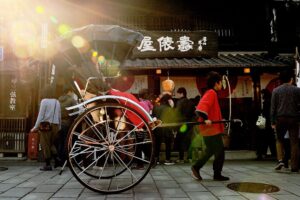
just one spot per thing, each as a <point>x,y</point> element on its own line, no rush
<point>222,61</point>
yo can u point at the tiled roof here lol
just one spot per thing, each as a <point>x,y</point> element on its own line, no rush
<point>223,60</point>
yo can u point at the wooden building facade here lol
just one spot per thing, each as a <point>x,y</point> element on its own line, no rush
<point>244,39</point>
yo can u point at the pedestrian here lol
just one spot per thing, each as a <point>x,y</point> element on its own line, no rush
<point>285,117</point>
<point>208,110</point>
<point>164,111</point>
<point>266,136</point>
<point>185,109</point>
<point>65,100</point>
<point>145,101</point>
<point>49,111</point>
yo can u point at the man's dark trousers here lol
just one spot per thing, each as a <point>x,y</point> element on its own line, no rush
<point>290,124</point>
<point>213,146</point>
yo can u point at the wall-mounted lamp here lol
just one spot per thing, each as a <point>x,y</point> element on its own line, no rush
<point>158,71</point>
<point>247,70</point>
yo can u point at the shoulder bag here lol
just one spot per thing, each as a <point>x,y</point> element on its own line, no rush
<point>261,122</point>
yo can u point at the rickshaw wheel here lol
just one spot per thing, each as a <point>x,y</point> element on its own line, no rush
<point>107,152</point>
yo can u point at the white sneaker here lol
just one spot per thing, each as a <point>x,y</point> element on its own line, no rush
<point>168,162</point>
<point>279,165</point>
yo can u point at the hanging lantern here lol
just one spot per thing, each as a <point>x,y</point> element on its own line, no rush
<point>168,85</point>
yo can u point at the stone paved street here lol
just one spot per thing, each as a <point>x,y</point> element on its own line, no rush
<point>23,180</point>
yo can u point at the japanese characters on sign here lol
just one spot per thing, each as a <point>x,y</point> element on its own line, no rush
<point>166,44</point>
<point>13,95</point>
<point>177,44</point>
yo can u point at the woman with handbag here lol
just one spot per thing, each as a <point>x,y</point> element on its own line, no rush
<point>48,124</point>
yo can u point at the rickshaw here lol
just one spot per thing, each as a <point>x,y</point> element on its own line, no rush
<point>112,132</point>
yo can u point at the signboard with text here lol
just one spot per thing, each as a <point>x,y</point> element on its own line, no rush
<point>177,44</point>
<point>14,97</point>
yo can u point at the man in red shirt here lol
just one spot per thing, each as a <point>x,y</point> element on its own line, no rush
<point>208,110</point>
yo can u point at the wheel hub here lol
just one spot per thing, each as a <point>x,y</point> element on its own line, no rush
<point>111,148</point>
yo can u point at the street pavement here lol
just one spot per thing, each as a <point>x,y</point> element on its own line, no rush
<point>23,180</point>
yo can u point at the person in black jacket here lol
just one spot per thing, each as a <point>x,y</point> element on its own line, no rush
<point>164,112</point>
<point>66,100</point>
<point>186,110</point>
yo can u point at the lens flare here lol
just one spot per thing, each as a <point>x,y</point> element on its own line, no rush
<point>53,20</point>
<point>78,41</point>
<point>63,29</point>
<point>183,128</point>
<point>40,9</point>
<point>94,56</point>
<point>101,60</point>
<point>24,51</point>
<point>94,53</point>
<point>23,36</point>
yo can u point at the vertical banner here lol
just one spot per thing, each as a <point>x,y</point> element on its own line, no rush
<point>13,94</point>
<point>14,97</point>
<point>244,88</point>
